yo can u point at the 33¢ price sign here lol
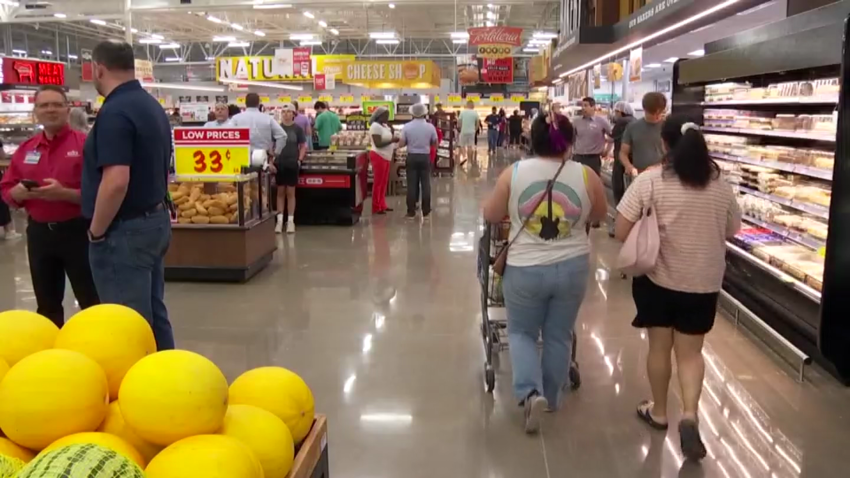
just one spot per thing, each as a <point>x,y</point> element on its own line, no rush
<point>211,151</point>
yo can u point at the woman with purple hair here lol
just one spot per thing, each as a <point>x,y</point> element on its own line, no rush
<point>549,199</point>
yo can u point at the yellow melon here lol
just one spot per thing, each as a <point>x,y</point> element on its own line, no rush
<point>172,395</point>
<point>4,367</point>
<point>114,424</point>
<point>265,434</point>
<point>9,448</point>
<point>24,333</point>
<point>207,456</point>
<point>279,391</point>
<point>105,440</point>
<point>114,336</point>
<point>10,466</point>
<point>52,394</point>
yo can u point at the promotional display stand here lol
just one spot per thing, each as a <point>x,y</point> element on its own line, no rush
<point>331,187</point>
<point>225,227</point>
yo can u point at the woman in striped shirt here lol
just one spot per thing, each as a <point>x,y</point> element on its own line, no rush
<point>696,211</point>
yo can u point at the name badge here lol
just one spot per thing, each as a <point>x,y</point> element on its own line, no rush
<point>32,157</point>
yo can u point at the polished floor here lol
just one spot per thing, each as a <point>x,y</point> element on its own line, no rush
<point>382,321</point>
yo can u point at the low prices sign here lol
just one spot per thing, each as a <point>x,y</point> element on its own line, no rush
<point>21,71</point>
<point>495,42</point>
<point>497,70</point>
<point>211,151</point>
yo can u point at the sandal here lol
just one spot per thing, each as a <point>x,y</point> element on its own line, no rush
<point>690,440</point>
<point>644,413</point>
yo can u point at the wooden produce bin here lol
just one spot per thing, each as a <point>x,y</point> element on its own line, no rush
<point>232,252</point>
<point>311,459</point>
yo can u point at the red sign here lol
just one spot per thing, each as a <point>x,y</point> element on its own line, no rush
<point>319,82</point>
<point>324,181</point>
<point>301,64</point>
<point>495,36</point>
<point>87,65</point>
<point>211,136</point>
<point>498,70</point>
<point>19,71</point>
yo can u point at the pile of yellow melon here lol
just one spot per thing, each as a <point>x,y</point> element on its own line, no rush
<point>100,381</point>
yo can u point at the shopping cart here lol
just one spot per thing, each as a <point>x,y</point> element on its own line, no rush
<point>494,320</point>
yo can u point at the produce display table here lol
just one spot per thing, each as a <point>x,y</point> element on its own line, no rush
<point>311,460</point>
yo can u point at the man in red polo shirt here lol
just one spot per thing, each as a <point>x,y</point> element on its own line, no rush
<point>44,178</point>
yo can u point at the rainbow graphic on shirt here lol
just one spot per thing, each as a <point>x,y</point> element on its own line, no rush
<point>555,216</point>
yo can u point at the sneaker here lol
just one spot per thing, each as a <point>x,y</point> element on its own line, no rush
<point>290,227</point>
<point>11,236</point>
<point>389,209</point>
<point>534,407</point>
<point>426,217</point>
<point>410,217</point>
<point>278,228</point>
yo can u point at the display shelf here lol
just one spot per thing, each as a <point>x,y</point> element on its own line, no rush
<point>805,100</point>
<point>813,209</point>
<point>775,272</point>
<point>770,133</point>
<point>801,238</point>
<point>781,166</point>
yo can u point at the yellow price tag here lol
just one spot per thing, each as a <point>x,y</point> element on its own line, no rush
<point>210,161</point>
<point>822,251</point>
<point>284,98</point>
<point>240,100</point>
<point>326,98</point>
<point>517,98</point>
<point>436,99</point>
<point>455,99</point>
<point>497,98</point>
<point>265,99</point>
<point>346,99</point>
<point>473,98</point>
<point>162,101</point>
<point>365,98</point>
<point>304,100</point>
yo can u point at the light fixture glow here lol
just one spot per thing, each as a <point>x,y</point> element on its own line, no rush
<point>223,39</point>
<point>158,37</point>
<point>323,24</point>
<point>387,42</point>
<point>531,50</point>
<point>20,52</point>
<point>259,33</point>
<point>653,36</point>
<point>214,19</point>
<point>392,5</point>
<point>237,26</point>
<point>183,86</point>
<point>46,52</point>
<point>309,15</point>
<point>539,42</point>
<point>170,46</point>
<point>172,59</point>
<point>488,23</point>
<point>149,41</point>
<point>463,35</point>
<point>653,65</point>
<point>400,418</point>
<point>334,31</point>
<point>11,3</point>
<point>459,41</point>
<point>697,53</point>
<point>310,43</point>
<point>301,36</point>
<point>134,30</point>
<point>382,35</point>
<point>672,59</point>
<point>70,57</point>
<point>60,15</point>
<point>210,58</point>
<point>492,16</point>
<point>545,35</point>
<point>98,21</point>
<point>272,6</point>
<point>349,384</point>
<point>237,44</point>
<point>261,83</point>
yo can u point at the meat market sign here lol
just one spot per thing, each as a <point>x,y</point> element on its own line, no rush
<point>495,42</point>
<point>26,72</point>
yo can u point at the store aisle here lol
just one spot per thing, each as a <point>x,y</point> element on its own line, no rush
<point>382,320</point>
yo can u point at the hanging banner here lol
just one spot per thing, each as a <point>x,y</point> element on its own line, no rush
<point>455,99</point>
<point>495,42</point>
<point>221,99</point>
<point>265,100</point>
<point>635,64</point>
<point>283,59</point>
<point>473,97</point>
<point>364,98</point>
<point>319,83</point>
<point>301,64</point>
<point>577,85</point>
<point>499,71</point>
<point>597,76</point>
<point>615,71</point>
<point>331,64</point>
<point>211,151</point>
<point>144,71</point>
<point>87,65</point>
<point>255,68</point>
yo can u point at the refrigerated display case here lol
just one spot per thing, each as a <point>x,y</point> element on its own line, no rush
<point>331,186</point>
<point>773,106</point>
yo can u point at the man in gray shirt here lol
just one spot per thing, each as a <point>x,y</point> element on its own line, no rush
<point>642,146</point>
<point>418,135</point>
<point>266,134</point>
<point>593,136</point>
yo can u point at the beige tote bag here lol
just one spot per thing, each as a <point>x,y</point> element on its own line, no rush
<point>640,251</point>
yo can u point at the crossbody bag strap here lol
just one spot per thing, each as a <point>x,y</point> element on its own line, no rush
<point>549,186</point>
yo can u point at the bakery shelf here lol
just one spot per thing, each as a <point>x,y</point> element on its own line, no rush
<point>813,209</point>
<point>781,166</point>
<point>804,100</point>
<point>829,138</point>
<point>803,239</point>
<point>782,276</point>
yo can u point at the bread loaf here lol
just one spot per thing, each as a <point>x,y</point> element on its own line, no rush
<point>214,211</point>
<point>219,220</point>
<point>189,213</point>
<point>200,219</point>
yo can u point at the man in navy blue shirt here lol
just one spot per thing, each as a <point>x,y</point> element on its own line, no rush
<point>125,175</point>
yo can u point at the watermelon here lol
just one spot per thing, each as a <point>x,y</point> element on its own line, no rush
<point>81,461</point>
<point>9,465</point>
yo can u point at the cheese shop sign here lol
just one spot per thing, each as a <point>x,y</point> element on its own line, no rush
<point>391,74</point>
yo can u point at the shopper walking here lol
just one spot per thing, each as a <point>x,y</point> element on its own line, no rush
<point>503,127</point>
<point>592,136</point>
<point>266,134</point>
<point>288,164</point>
<point>44,178</point>
<point>327,124</point>
<point>304,123</point>
<point>515,129</point>
<point>642,146</point>
<point>468,123</point>
<point>79,120</point>
<point>383,145</point>
<point>419,136</point>
<point>125,191</point>
<point>6,222</point>
<point>696,212</point>
<point>493,121</point>
<point>549,198</point>
<point>222,117</point>
<point>624,115</point>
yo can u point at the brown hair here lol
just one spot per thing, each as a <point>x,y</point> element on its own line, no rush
<point>654,103</point>
<point>53,88</point>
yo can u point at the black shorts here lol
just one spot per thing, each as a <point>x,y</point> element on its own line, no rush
<point>685,312</point>
<point>287,176</point>
<point>515,138</point>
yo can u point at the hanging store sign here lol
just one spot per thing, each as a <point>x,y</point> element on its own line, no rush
<point>498,71</point>
<point>331,64</point>
<point>87,65</point>
<point>391,74</point>
<point>255,68</point>
<point>455,99</point>
<point>635,64</point>
<point>26,72</point>
<point>326,98</point>
<point>495,42</point>
<point>144,71</point>
<point>211,151</point>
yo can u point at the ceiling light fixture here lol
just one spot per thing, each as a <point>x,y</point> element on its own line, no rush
<point>459,41</point>
<point>170,45</point>
<point>98,21</point>
<point>653,65</point>
<point>531,50</point>
<point>323,24</point>
<point>11,3</point>
<point>488,23</point>
<point>259,33</point>
<point>387,42</point>
<point>756,8</point>
<point>697,53</point>
<point>223,39</point>
<point>238,44</point>
<point>545,35</point>
<point>382,35</point>
<point>134,30</point>
<point>334,31</point>
<point>653,36</point>
<point>272,6</point>
<point>183,86</point>
<point>309,15</point>
<point>492,16</point>
<point>158,37</point>
<point>214,19</point>
<point>463,35</point>
<point>392,5</point>
<point>20,52</point>
<point>172,59</point>
<point>60,15</point>
<point>71,57</point>
<point>149,41</point>
<point>672,59</point>
<point>46,52</point>
<point>261,83</point>
<point>237,26</point>
<point>311,43</point>
<point>301,36</point>
<point>539,42</point>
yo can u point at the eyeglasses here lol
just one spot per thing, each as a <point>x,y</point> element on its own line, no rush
<point>53,104</point>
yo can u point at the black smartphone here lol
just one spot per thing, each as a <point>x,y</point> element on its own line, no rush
<point>30,184</point>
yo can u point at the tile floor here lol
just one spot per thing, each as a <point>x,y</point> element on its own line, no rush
<point>382,321</point>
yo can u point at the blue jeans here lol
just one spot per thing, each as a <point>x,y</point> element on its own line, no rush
<point>128,269</point>
<point>543,298</point>
<point>492,139</point>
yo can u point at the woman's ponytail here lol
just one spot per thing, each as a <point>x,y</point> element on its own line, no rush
<point>688,155</point>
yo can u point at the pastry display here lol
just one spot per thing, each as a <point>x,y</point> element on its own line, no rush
<point>351,139</point>
<point>825,89</point>
<point>751,149</point>
<point>211,203</point>
<point>769,121</point>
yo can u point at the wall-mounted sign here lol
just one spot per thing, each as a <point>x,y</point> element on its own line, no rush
<point>251,68</point>
<point>326,98</point>
<point>284,98</point>
<point>346,99</point>
<point>455,99</point>
<point>495,42</point>
<point>22,71</point>
<point>202,99</point>
<point>473,97</point>
<point>370,106</point>
<point>305,100</point>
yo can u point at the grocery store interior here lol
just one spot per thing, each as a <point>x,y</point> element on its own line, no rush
<point>391,322</point>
